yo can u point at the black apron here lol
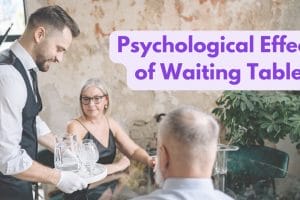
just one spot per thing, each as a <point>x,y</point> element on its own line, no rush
<point>12,188</point>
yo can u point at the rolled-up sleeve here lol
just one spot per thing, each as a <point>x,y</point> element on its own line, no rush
<point>13,95</point>
<point>41,127</point>
<point>18,164</point>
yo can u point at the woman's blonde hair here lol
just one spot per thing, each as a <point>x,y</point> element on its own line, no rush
<point>96,82</point>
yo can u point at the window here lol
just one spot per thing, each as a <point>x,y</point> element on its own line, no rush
<point>12,20</point>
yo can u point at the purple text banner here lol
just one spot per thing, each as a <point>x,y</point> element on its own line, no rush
<point>208,60</point>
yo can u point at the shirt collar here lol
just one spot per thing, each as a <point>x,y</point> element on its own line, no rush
<point>23,55</point>
<point>177,183</point>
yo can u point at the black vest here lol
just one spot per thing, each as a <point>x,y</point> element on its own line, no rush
<point>10,187</point>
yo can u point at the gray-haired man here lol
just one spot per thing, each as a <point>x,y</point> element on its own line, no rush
<point>187,146</point>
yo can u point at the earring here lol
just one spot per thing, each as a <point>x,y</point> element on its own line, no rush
<point>105,107</point>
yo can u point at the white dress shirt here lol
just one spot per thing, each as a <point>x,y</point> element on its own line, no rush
<point>186,189</point>
<point>13,95</point>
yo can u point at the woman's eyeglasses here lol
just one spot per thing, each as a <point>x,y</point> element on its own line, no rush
<point>87,100</point>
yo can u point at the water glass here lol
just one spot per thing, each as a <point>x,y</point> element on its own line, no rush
<point>88,155</point>
<point>221,162</point>
<point>66,153</point>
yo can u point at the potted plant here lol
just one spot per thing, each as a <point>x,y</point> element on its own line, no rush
<point>251,117</point>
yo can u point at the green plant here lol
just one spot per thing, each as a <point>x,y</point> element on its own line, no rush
<point>250,117</point>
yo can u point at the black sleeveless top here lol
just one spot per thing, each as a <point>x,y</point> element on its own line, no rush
<point>106,154</point>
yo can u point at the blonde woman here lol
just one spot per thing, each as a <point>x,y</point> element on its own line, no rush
<point>106,133</point>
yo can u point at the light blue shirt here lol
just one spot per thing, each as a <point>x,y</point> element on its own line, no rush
<point>186,189</point>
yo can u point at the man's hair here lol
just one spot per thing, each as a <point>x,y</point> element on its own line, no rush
<point>54,16</point>
<point>190,127</point>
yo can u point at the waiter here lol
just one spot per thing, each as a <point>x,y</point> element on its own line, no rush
<point>47,36</point>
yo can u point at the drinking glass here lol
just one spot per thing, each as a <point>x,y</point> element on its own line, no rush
<point>221,162</point>
<point>88,155</point>
<point>66,153</point>
<point>220,167</point>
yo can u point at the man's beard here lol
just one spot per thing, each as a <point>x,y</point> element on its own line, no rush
<point>159,180</point>
<point>43,65</point>
<point>42,61</point>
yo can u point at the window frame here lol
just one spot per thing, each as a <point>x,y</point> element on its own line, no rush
<point>13,37</point>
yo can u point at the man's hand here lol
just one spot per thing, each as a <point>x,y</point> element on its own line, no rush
<point>70,182</point>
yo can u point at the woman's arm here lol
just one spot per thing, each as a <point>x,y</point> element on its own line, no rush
<point>119,166</point>
<point>128,146</point>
